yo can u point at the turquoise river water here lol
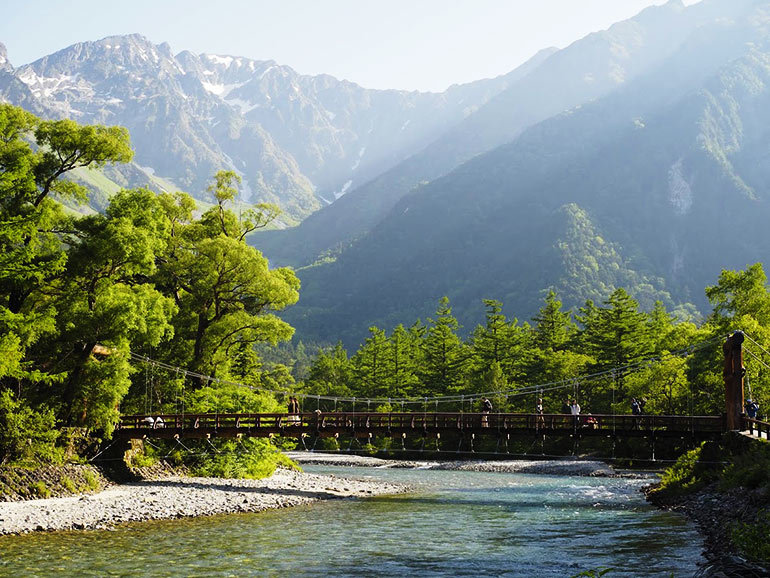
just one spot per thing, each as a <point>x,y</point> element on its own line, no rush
<point>453,524</point>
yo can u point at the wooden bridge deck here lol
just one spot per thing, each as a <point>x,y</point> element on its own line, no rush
<point>418,424</point>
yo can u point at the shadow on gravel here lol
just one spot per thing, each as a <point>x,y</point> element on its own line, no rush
<point>244,490</point>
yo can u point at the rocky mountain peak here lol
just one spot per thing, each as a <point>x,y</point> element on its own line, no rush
<point>3,56</point>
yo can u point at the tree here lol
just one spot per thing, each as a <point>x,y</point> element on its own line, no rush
<point>105,298</point>
<point>443,368</point>
<point>403,360</point>
<point>32,256</point>
<point>615,336</point>
<point>331,373</point>
<point>553,327</point>
<point>499,349</point>
<point>741,301</point>
<point>370,365</point>
<point>224,289</point>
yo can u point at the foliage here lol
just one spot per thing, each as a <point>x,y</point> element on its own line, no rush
<point>79,295</point>
<point>682,478</point>
<point>255,458</point>
<point>26,435</point>
<point>40,489</point>
<point>751,538</point>
<point>748,469</point>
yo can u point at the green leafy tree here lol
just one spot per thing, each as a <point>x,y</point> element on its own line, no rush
<point>370,365</point>
<point>32,256</point>
<point>105,300</point>
<point>403,360</point>
<point>741,301</point>
<point>331,373</point>
<point>27,435</point>
<point>225,292</point>
<point>553,328</point>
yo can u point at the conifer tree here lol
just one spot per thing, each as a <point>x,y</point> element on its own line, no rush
<point>444,364</point>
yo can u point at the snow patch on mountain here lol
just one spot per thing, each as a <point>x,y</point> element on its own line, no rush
<point>221,90</point>
<point>358,160</point>
<point>226,60</point>
<point>242,105</point>
<point>343,190</point>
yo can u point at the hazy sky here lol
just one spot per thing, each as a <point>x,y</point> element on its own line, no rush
<point>405,44</point>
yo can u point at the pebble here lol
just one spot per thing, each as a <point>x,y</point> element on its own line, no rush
<point>178,497</point>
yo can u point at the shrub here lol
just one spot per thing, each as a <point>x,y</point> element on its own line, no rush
<point>40,490</point>
<point>692,471</point>
<point>750,469</point>
<point>751,539</point>
<point>69,485</point>
<point>252,458</point>
<point>91,479</point>
<point>27,436</point>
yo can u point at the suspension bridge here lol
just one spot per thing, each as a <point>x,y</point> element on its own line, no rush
<point>434,424</point>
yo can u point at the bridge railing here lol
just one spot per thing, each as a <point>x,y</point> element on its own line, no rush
<point>757,428</point>
<point>427,421</point>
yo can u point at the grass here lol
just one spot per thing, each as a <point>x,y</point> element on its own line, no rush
<point>69,485</point>
<point>91,479</point>
<point>40,490</point>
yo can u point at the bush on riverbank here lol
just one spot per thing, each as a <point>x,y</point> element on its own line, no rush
<point>27,436</point>
<point>248,458</point>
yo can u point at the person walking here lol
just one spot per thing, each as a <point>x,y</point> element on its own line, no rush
<point>636,411</point>
<point>486,409</point>
<point>539,420</point>
<point>575,411</point>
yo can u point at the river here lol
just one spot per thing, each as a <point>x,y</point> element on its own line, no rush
<point>454,524</point>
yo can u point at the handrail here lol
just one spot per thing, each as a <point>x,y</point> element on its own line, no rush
<point>762,428</point>
<point>425,421</point>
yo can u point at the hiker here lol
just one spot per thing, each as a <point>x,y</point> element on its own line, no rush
<point>752,408</point>
<point>539,420</point>
<point>486,409</point>
<point>575,411</point>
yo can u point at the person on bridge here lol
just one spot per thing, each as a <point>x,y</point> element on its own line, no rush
<point>752,408</point>
<point>575,411</point>
<point>486,409</point>
<point>636,411</point>
<point>540,420</point>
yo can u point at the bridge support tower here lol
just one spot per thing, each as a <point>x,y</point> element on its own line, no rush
<point>733,375</point>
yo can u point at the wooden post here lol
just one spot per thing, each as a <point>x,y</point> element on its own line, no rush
<point>733,375</point>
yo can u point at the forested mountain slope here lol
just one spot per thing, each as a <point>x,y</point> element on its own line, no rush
<point>589,68</point>
<point>655,188</point>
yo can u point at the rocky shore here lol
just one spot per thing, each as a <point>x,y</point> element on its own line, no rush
<point>179,497</point>
<point>714,512</point>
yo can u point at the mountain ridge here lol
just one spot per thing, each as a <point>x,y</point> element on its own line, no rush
<point>297,140</point>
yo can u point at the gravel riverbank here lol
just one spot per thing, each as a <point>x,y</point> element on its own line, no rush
<point>178,497</point>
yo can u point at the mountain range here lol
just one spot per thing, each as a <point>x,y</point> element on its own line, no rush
<point>298,141</point>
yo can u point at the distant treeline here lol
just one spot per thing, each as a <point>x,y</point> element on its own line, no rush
<point>675,365</point>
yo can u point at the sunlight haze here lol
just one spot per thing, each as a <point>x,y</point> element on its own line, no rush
<point>426,45</point>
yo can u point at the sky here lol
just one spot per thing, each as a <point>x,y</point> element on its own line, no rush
<point>402,44</point>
